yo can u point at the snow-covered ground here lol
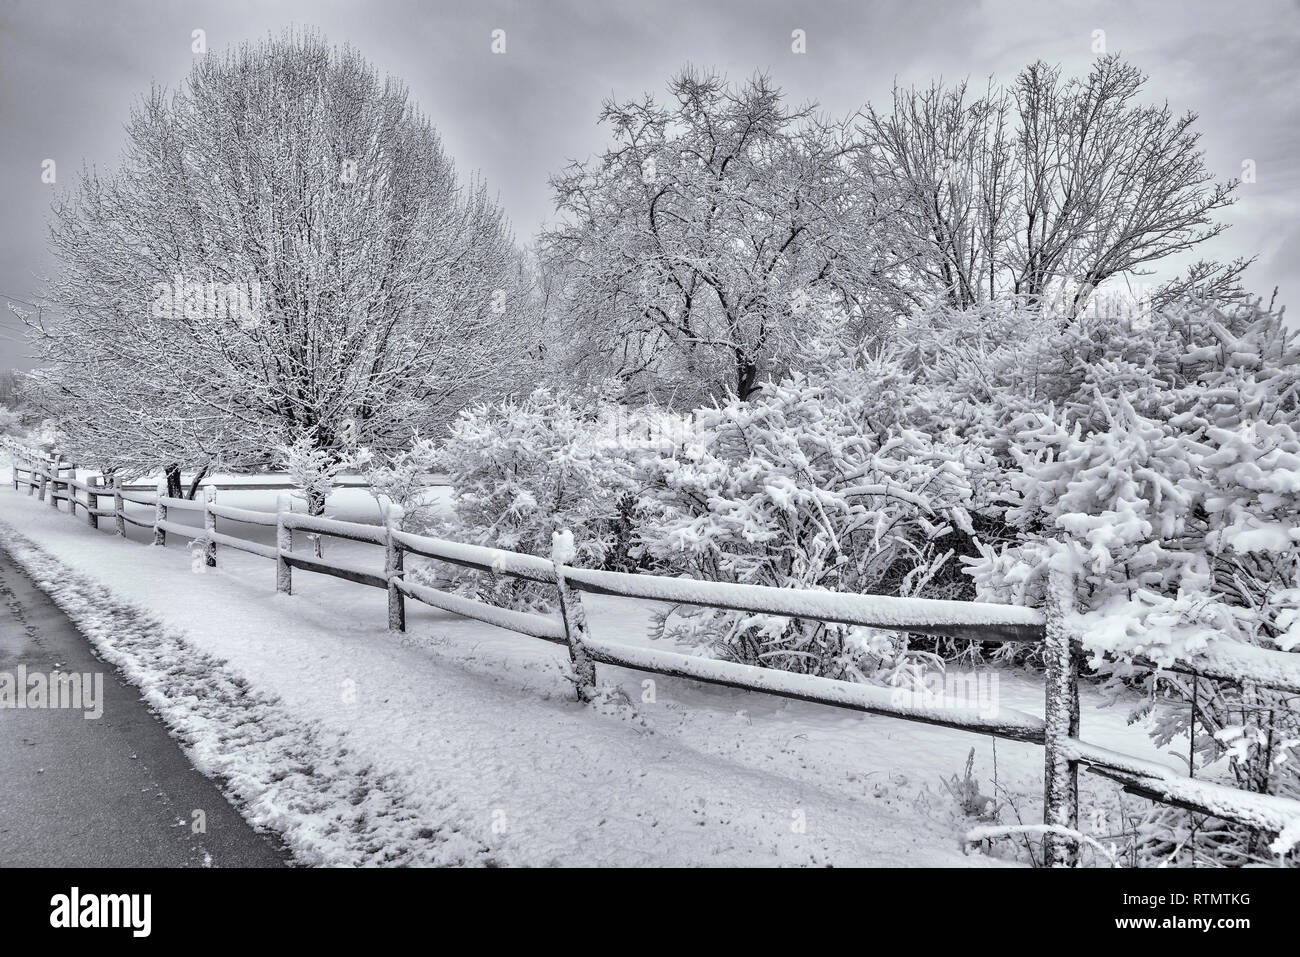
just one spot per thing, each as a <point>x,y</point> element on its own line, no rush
<point>460,743</point>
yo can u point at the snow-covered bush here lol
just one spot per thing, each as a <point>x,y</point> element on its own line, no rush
<point>521,470</point>
<point>795,490</point>
<point>312,469</point>
<point>1167,483</point>
<point>401,479</point>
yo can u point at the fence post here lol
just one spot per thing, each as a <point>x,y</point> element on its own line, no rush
<point>54,482</point>
<point>394,568</point>
<point>92,500</point>
<point>1060,774</point>
<point>283,543</point>
<point>574,617</point>
<point>119,506</point>
<point>160,513</point>
<point>210,526</point>
<point>31,476</point>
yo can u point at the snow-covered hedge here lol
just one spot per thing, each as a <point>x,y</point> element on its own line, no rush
<point>522,470</point>
<point>796,490</point>
<point>1164,474</point>
<point>1155,457</point>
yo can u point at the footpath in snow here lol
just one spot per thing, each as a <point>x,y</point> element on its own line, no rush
<point>459,743</point>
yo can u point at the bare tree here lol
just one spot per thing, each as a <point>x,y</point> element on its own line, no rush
<point>947,160</point>
<point>1051,186</point>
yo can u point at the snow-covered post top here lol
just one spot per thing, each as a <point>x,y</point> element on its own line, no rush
<point>563,551</point>
<point>160,512</point>
<point>392,514</point>
<point>574,616</point>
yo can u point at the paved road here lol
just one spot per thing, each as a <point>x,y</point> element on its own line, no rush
<point>112,792</point>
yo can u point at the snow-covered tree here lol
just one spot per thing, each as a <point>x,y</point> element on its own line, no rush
<point>691,249</point>
<point>1166,482</point>
<point>401,481</point>
<point>312,469</point>
<point>11,421</point>
<point>285,251</point>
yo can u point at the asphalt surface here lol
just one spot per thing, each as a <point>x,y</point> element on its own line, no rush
<point>116,791</point>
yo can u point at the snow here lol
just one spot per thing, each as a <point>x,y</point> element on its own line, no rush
<point>479,556</point>
<point>279,480</point>
<point>1265,811</point>
<point>357,531</point>
<point>548,627</point>
<point>1237,660</point>
<point>184,504</point>
<point>563,550</point>
<point>989,832</point>
<point>244,515</point>
<point>363,572</point>
<point>178,529</point>
<point>860,697</point>
<point>881,611</point>
<point>253,548</point>
<point>461,741</point>
<point>139,498</point>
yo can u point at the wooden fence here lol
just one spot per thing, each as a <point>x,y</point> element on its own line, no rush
<point>51,479</point>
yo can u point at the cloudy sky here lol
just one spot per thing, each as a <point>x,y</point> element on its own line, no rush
<point>70,69</point>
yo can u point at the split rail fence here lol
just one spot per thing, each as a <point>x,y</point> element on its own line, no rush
<point>50,478</point>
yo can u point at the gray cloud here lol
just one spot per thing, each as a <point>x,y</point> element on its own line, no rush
<point>70,70</point>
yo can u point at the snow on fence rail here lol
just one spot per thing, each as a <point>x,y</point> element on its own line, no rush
<point>921,615</point>
<point>1058,731</point>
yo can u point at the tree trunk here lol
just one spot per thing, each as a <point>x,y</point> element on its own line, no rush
<point>315,503</point>
<point>316,506</point>
<point>199,476</point>
<point>173,473</point>
<point>746,374</point>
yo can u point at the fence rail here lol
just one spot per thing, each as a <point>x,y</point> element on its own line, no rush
<point>1064,751</point>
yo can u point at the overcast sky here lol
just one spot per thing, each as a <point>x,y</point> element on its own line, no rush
<point>70,69</point>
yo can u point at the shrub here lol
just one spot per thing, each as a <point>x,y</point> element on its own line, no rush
<point>795,490</point>
<point>1168,485</point>
<point>522,470</point>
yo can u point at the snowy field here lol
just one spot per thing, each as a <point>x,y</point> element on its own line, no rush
<point>459,743</point>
